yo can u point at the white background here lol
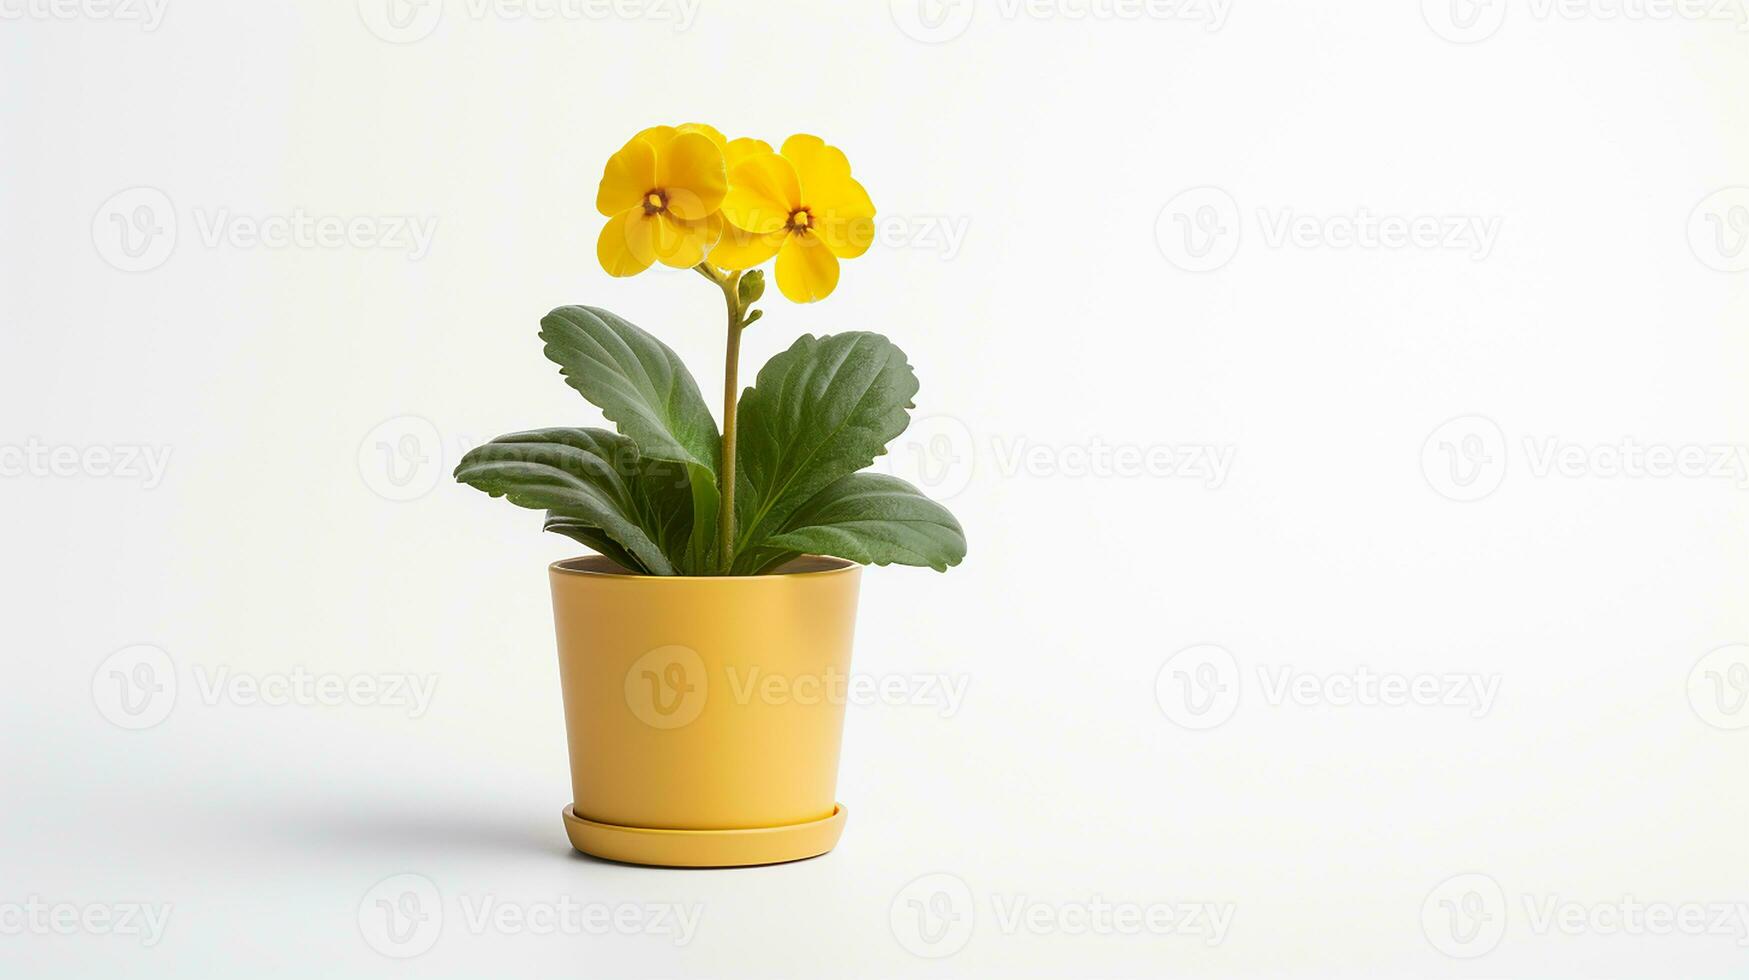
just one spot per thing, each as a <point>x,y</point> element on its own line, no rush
<point>1068,318</point>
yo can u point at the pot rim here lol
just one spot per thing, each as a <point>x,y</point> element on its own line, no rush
<point>571,566</point>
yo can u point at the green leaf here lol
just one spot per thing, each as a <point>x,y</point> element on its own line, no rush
<point>868,517</point>
<point>819,411</point>
<point>642,387</point>
<point>595,488</point>
<point>579,529</point>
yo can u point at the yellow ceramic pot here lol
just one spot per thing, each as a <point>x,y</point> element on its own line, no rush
<point>704,714</point>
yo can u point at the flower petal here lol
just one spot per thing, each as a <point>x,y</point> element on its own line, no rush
<point>763,190</point>
<point>844,217</point>
<point>625,247</point>
<point>681,243</point>
<point>741,149</point>
<point>820,167</point>
<point>706,129</point>
<point>657,136</point>
<point>629,175</point>
<point>745,249</point>
<point>806,269</point>
<point>690,169</point>
<point>841,210</point>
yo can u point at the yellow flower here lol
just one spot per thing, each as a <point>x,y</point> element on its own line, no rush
<point>662,191</point>
<point>734,151</point>
<point>801,205</point>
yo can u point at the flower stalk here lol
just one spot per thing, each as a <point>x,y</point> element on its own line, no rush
<point>739,317</point>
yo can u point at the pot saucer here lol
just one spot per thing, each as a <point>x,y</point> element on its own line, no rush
<point>705,848</point>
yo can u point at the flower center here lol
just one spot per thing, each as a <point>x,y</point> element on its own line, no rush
<point>655,202</point>
<point>800,219</point>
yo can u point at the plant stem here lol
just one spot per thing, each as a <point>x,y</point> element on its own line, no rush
<point>730,283</point>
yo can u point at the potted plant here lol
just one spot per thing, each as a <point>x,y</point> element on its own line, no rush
<point>697,645</point>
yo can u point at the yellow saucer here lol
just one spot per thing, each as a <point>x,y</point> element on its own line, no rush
<point>705,848</point>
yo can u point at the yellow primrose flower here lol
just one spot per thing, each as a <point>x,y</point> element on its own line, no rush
<point>662,191</point>
<point>799,204</point>
<point>734,151</point>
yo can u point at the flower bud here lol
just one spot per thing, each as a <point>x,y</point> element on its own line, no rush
<point>752,287</point>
